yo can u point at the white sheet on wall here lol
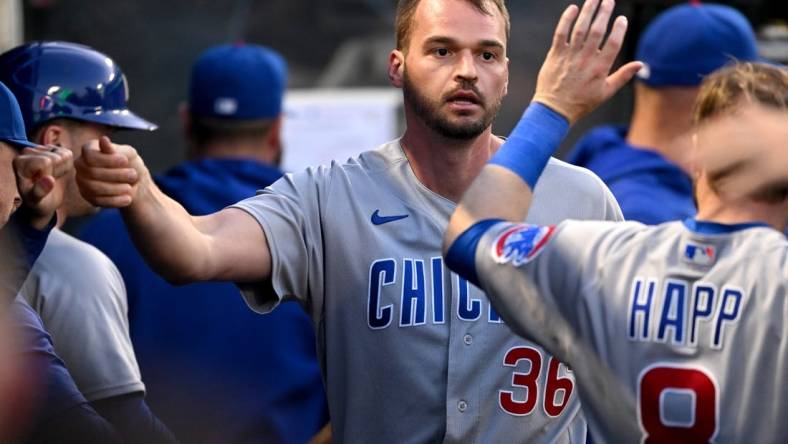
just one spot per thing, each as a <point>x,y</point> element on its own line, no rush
<point>323,125</point>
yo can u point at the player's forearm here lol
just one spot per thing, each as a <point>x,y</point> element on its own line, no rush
<point>167,236</point>
<point>511,201</point>
<point>504,188</point>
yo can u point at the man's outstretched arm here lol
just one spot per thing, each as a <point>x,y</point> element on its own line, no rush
<point>574,79</point>
<point>227,245</point>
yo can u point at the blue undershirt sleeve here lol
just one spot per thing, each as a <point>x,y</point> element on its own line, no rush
<point>461,257</point>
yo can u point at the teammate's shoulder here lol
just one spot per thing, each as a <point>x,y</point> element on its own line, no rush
<point>765,239</point>
<point>566,191</point>
<point>558,170</point>
<point>620,229</point>
<point>379,158</point>
<point>67,256</point>
<point>612,236</point>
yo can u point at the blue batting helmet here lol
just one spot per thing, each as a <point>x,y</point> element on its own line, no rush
<point>65,80</point>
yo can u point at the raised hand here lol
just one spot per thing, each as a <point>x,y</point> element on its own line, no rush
<point>110,175</point>
<point>575,77</point>
<point>42,176</point>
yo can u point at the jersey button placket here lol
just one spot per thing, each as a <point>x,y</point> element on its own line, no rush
<point>467,339</point>
<point>462,406</point>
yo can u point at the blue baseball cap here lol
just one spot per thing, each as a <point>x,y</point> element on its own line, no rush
<point>689,41</point>
<point>12,126</point>
<point>238,81</point>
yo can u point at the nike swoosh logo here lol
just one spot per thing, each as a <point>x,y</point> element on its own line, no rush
<point>377,219</point>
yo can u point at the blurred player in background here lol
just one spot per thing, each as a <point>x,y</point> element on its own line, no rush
<point>70,94</point>
<point>39,401</point>
<point>676,333</point>
<point>645,164</point>
<point>409,351</point>
<point>204,354</point>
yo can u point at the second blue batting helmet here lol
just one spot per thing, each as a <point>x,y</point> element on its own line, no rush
<point>65,80</point>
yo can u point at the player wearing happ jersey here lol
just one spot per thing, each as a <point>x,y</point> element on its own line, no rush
<point>409,351</point>
<point>688,317</point>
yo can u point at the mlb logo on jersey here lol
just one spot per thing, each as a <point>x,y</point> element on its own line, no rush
<point>699,254</point>
<point>521,243</point>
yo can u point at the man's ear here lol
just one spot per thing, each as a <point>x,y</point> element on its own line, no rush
<point>274,135</point>
<point>396,68</point>
<point>53,134</point>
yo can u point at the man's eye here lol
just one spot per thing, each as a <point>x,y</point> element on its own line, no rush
<point>442,52</point>
<point>488,55</point>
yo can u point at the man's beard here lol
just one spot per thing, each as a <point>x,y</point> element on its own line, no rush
<point>428,111</point>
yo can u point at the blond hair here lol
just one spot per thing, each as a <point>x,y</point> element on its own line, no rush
<point>725,89</point>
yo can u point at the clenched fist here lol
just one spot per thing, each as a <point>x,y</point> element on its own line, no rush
<point>110,175</point>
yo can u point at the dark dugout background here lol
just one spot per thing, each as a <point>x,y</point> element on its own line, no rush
<point>336,43</point>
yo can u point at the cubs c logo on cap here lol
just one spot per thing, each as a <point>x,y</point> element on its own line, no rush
<point>520,244</point>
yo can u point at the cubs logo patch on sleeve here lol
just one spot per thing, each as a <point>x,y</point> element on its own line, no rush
<point>521,243</point>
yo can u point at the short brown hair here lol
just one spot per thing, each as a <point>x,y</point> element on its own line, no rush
<point>406,9</point>
<point>723,90</point>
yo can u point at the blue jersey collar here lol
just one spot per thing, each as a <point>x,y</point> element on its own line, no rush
<point>706,227</point>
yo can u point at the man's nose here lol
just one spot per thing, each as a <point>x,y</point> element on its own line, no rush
<point>466,67</point>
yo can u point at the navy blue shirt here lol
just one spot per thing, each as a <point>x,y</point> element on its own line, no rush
<point>648,187</point>
<point>214,370</point>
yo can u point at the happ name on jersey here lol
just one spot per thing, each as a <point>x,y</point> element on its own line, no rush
<point>681,306</point>
<point>420,298</point>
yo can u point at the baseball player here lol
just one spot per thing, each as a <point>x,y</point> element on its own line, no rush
<point>645,163</point>
<point>213,364</point>
<point>409,351</point>
<point>29,191</point>
<point>40,396</point>
<point>76,290</point>
<point>687,317</point>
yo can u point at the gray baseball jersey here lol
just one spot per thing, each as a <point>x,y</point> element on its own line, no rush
<point>691,320</point>
<point>409,351</point>
<point>80,296</point>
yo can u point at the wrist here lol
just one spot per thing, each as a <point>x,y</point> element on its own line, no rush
<point>532,142</point>
<point>143,195</point>
<point>555,106</point>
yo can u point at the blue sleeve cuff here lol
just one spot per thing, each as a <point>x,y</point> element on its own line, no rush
<point>461,257</point>
<point>530,145</point>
